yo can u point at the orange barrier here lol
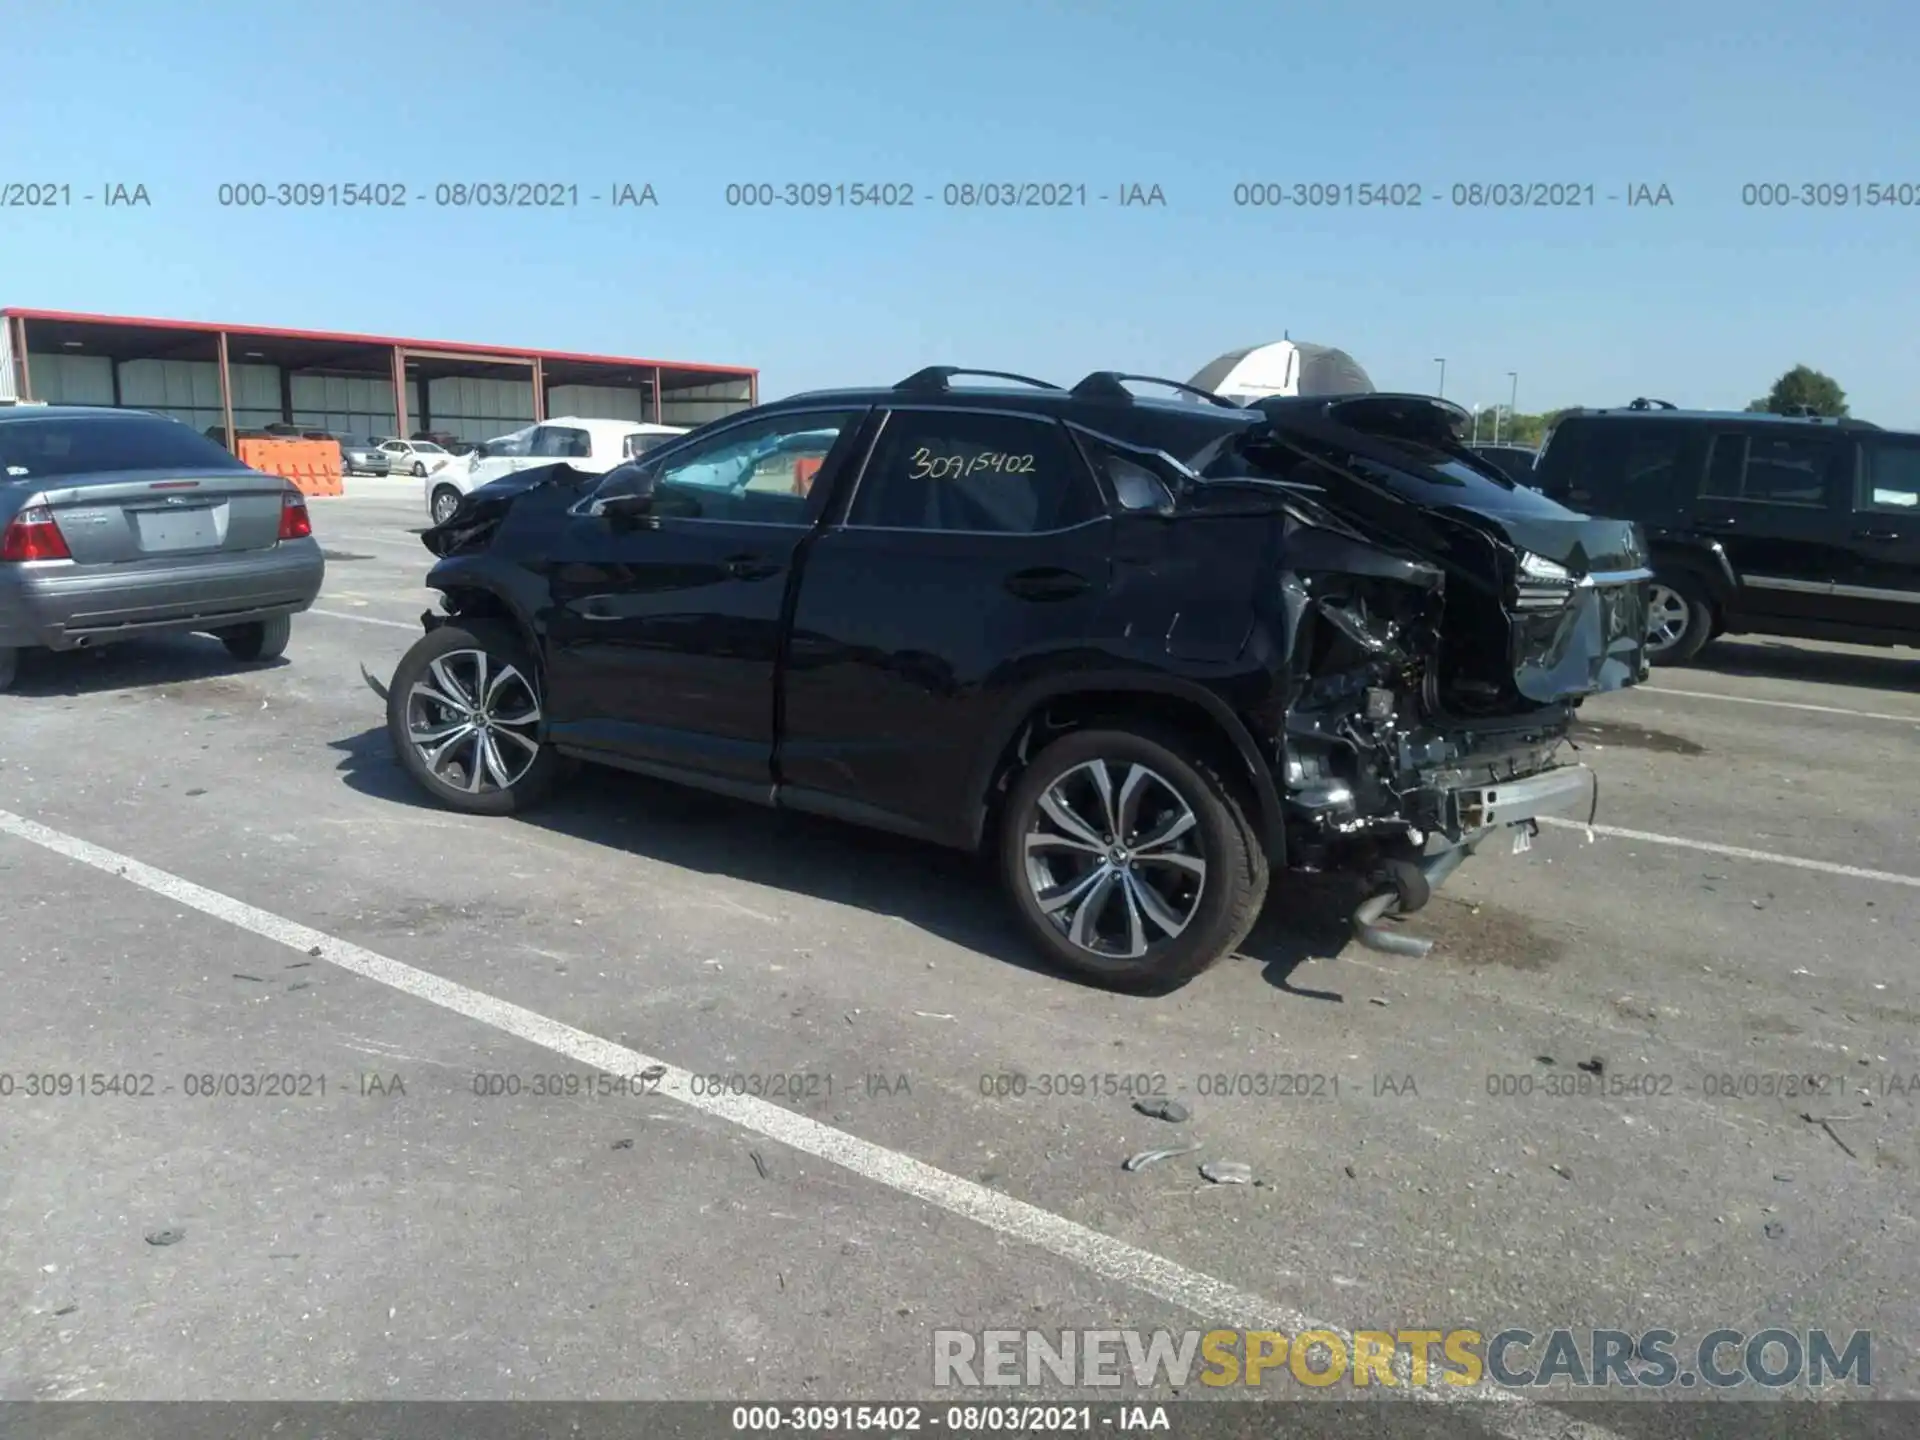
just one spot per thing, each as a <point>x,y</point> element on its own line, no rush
<point>312,465</point>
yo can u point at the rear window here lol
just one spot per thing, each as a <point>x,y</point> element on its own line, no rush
<point>74,445</point>
<point>1625,469</point>
<point>1453,481</point>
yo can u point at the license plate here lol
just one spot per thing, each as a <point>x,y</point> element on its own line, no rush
<point>177,530</point>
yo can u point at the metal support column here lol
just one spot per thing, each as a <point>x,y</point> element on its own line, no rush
<point>226,397</point>
<point>539,390</point>
<point>659,414</point>
<point>24,385</point>
<point>400,426</point>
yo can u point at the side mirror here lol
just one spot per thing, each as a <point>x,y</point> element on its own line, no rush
<point>627,492</point>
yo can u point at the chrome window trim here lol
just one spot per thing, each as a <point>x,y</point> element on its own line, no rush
<point>1832,587</point>
<point>1102,519</point>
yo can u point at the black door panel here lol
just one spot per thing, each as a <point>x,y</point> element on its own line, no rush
<point>1777,503</point>
<point>660,651</point>
<point>665,629</point>
<point>974,559</point>
<point>1882,592</point>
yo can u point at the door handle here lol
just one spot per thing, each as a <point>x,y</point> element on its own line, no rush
<point>1876,534</point>
<point>750,567</point>
<point>1046,583</point>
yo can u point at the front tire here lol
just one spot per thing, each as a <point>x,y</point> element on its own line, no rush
<point>446,500</point>
<point>465,720</point>
<point>1680,619</point>
<point>262,640</point>
<point>1129,859</point>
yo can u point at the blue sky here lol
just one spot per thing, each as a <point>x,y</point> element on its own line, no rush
<point>1702,302</point>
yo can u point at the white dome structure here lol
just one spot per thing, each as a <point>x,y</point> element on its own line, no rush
<point>1283,367</point>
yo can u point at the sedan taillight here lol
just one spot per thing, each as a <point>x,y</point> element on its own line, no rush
<point>295,523</point>
<point>33,535</point>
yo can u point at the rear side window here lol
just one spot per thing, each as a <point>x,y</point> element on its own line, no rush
<point>1625,469</point>
<point>1890,480</point>
<point>972,471</point>
<point>72,445</point>
<point>1793,470</point>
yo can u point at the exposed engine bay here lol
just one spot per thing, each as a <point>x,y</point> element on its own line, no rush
<point>1437,653</point>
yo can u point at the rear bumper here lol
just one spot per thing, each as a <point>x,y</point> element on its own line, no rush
<point>60,606</point>
<point>1475,809</point>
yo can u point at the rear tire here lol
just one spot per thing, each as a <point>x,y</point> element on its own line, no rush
<point>419,470</point>
<point>465,720</point>
<point>446,500</point>
<point>1179,884</point>
<point>262,640</point>
<point>1680,619</point>
<point>9,667</point>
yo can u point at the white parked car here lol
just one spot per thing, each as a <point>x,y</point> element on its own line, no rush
<point>419,458</point>
<point>591,445</point>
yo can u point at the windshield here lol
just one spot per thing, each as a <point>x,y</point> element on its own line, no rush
<point>97,444</point>
<point>519,442</point>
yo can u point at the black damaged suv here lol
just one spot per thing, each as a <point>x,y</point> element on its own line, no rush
<point>1146,651</point>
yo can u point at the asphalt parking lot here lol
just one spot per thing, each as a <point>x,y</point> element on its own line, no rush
<point>1428,1148</point>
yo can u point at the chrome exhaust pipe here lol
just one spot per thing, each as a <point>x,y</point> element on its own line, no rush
<point>1408,888</point>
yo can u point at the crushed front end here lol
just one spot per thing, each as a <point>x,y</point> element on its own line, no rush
<point>1409,740</point>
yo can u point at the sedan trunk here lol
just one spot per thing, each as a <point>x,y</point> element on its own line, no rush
<point>153,514</point>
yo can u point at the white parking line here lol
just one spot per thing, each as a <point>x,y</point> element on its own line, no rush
<point>1211,1299</point>
<point>1779,704</point>
<point>1736,852</point>
<point>365,619</point>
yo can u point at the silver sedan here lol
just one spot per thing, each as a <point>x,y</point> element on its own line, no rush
<point>116,523</point>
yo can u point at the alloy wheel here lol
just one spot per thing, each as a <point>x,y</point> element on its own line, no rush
<point>474,722</point>
<point>444,504</point>
<point>1113,858</point>
<point>1668,615</point>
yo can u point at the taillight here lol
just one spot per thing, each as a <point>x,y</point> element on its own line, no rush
<point>295,523</point>
<point>33,535</point>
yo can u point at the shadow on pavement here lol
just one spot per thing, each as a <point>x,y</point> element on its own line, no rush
<point>1894,670</point>
<point>155,662</point>
<point>943,892</point>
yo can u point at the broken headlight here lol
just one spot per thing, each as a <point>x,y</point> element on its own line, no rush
<point>1542,584</point>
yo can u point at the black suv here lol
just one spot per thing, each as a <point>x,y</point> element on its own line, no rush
<point>1783,525</point>
<point>1143,650</point>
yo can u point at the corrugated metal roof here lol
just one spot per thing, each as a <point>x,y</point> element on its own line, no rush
<point>209,327</point>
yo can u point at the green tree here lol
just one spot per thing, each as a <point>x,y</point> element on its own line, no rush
<point>1802,386</point>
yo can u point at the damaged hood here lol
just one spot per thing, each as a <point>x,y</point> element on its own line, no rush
<point>472,526</point>
<point>1568,590</point>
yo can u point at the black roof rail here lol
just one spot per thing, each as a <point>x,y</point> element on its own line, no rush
<point>1110,385</point>
<point>934,379</point>
<point>1645,404</point>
